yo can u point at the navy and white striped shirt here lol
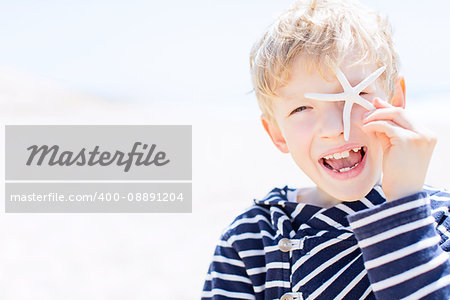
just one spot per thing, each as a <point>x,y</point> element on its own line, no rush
<point>366,249</point>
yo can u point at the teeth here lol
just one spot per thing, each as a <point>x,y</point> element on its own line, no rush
<point>337,156</point>
<point>342,154</point>
<point>345,154</point>
<point>346,169</point>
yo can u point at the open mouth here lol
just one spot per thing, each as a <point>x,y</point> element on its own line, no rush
<point>344,161</point>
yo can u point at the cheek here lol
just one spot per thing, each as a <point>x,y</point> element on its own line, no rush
<point>301,128</point>
<point>358,113</point>
<point>376,150</point>
<point>299,136</point>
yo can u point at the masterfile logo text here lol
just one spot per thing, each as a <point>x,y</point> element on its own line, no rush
<point>53,156</point>
<point>98,152</point>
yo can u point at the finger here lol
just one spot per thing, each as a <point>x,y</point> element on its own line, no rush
<point>384,140</point>
<point>390,129</point>
<point>380,103</point>
<point>393,114</point>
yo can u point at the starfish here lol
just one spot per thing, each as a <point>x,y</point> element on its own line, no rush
<point>350,96</point>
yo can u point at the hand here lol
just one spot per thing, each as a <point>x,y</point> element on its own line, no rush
<point>407,149</point>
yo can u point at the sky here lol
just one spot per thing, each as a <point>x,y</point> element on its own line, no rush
<point>187,50</point>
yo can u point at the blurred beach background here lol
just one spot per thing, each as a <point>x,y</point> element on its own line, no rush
<point>174,62</point>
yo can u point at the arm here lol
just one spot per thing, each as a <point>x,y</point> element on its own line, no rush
<point>401,250</point>
<point>227,276</point>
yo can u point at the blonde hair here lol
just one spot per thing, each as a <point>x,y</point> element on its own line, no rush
<point>324,31</point>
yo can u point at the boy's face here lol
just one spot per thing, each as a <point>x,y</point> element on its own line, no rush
<point>312,131</point>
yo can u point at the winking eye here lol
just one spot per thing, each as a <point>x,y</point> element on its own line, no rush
<point>350,95</point>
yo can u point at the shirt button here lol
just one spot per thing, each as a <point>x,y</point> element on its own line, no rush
<point>285,245</point>
<point>287,297</point>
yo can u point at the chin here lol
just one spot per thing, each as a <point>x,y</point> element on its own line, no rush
<point>351,194</point>
<point>357,188</point>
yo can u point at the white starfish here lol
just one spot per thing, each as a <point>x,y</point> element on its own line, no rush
<point>350,96</point>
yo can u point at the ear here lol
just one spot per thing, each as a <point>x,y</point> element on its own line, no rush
<point>275,134</point>
<point>399,99</point>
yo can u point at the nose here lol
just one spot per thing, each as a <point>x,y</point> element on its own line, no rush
<point>331,123</point>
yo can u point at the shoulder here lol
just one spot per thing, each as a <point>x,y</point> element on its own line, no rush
<point>253,219</point>
<point>255,222</point>
<point>439,197</point>
<point>431,190</point>
<point>439,200</point>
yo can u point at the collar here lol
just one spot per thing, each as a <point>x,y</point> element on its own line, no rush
<point>305,215</point>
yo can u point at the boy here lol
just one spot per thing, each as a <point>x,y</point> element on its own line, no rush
<point>368,230</point>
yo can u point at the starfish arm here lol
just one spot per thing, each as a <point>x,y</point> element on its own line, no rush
<point>343,80</point>
<point>325,97</point>
<point>364,103</point>
<point>349,96</point>
<point>346,119</point>
<point>369,79</point>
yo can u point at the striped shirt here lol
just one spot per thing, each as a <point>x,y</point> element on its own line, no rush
<point>365,249</point>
